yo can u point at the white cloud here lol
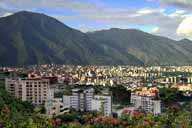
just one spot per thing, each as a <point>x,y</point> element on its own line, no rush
<point>185,28</point>
<point>155,30</point>
<point>178,13</point>
<point>85,28</point>
<point>99,13</point>
<point>147,11</point>
<point>130,17</point>
<point>6,14</point>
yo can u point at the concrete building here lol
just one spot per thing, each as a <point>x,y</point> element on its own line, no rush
<point>85,100</point>
<point>171,79</point>
<point>55,107</point>
<point>103,104</point>
<point>35,91</point>
<point>80,100</point>
<point>147,103</point>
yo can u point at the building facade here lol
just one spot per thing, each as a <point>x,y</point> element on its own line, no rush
<point>80,100</point>
<point>55,107</point>
<point>36,91</point>
<point>85,100</point>
<point>103,104</point>
<point>146,103</point>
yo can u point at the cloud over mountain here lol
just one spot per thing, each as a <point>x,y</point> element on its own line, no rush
<point>185,28</point>
<point>90,15</point>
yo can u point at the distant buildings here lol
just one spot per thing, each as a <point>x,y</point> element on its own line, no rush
<point>178,79</point>
<point>147,100</point>
<point>43,80</point>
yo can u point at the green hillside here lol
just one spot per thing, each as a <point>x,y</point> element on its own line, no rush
<point>150,49</point>
<point>32,38</point>
<point>28,38</point>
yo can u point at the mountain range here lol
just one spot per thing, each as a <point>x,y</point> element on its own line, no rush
<point>28,38</point>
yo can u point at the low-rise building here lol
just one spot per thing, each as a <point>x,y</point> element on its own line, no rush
<point>55,107</point>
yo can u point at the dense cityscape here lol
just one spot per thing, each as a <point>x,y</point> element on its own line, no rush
<point>96,96</point>
<point>95,63</point>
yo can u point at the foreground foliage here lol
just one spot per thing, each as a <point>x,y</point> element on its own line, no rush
<point>17,114</point>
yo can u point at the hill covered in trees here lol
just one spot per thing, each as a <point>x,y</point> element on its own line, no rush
<point>31,38</point>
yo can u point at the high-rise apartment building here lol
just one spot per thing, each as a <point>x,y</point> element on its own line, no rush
<point>36,91</point>
<point>147,100</point>
<point>80,100</point>
<point>85,100</point>
<point>147,103</point>
<point>103,104</point>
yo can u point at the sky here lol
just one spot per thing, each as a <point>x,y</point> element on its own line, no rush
<point>169,18</point>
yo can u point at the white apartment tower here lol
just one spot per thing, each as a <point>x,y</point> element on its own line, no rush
<point>103,104</point>
<point>80,100</point>
<point>85,100</point>
<point>146,103</point>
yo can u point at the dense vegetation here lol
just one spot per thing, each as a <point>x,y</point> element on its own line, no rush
<point>149,49</point>
<point>32,38</point>
<point>17,114</point>
<point>174,117</point>
<point>120,95</point>
<point>170,96</point>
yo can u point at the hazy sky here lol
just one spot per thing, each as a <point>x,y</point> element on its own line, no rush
<point>170,18</point>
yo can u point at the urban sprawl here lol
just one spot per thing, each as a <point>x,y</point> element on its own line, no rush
<point>61,89</point>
